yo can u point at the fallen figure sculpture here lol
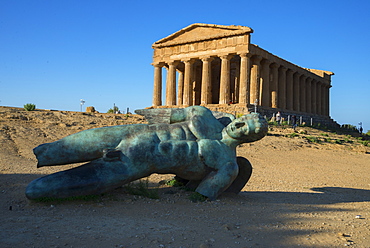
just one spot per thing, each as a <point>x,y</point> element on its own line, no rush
<point>195,144</point>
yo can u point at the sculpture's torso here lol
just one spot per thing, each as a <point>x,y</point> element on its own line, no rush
<point>158,149</point>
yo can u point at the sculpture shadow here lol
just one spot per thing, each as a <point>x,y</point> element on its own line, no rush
<point>322,195</point>
<point>254,215</point>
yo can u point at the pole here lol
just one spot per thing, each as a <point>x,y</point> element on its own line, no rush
<point>255,105</point>
<point>82,102</point>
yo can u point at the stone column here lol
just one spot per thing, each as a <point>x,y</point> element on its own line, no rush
<point>188,75</point>
<point>289,90</point>
<point>308,95</point>
<point>327,100</point>
<point>282,88</point>
<point>322,93</point>
<point>235,82</point>
<point>296,92</point>
<point>206,94</point>
<point>171,84</point>
<point>302,93</point>
<point>157,92</point>
<point>197,83</point>
<point>274,86</point>
<point>180,88</point>
<point>265,83</point>
<point>323,100</point>
<point>245,62</point>
<point>318,99</point>
<point>255,80</point>
<point>314,97</point>
<point>225,79</point>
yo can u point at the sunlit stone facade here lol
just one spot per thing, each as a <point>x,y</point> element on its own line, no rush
<point>217,66</point>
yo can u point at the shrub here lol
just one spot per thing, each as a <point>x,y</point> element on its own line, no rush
<point>196,197</point>
<point>313,139</point>
<point>174,183</point>
<point>142,188</point>
<point>113,110</point>
<point>365,142</point>
<point>29,107</point>
<point>292,135</point>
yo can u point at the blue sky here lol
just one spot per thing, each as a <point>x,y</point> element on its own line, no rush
<point>54,53</point>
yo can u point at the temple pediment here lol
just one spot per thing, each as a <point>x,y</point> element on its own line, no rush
<point>217,66</point>
<point>200,32</point>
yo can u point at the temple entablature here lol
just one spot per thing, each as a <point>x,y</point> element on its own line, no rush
<point>216,64</point>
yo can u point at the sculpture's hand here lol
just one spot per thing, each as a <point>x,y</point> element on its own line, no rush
<point>222,160</point>
<point>218,181</point>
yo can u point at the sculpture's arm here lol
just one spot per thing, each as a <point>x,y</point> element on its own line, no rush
<point>222,160</point>
<point>218,181</point>
<point>85,145</point>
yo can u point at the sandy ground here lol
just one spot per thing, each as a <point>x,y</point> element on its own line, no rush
<point>300,194</point>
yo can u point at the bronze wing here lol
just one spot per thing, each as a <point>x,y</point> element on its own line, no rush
<point>163,115</point>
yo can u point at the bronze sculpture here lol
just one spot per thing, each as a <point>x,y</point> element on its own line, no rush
<point>193,143</point>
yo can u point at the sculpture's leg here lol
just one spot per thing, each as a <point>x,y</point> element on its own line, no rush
<point>83,146</point>
<point>96,177</point>
<point>245,172</point>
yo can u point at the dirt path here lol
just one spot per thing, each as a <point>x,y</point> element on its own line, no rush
<point>300,194</point>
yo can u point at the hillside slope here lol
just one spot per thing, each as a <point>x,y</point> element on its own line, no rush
<point>308,189</point>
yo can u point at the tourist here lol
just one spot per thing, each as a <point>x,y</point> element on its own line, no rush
<point>294,122</point>
<point>278,117</point>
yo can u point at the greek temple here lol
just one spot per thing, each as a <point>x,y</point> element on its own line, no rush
<point>218,67</point>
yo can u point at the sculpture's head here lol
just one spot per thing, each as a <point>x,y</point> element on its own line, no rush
<point>247,128</point>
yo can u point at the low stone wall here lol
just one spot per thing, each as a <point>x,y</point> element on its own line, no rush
<point>268,113</point>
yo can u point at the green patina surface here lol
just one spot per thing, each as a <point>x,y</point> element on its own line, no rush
<point>193,143</point>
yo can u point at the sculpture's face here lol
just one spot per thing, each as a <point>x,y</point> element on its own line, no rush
<point>247,128</point>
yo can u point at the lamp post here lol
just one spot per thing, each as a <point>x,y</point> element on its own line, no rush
<point>82,102</point>
<point>360,128</point>
<point>255,105</point>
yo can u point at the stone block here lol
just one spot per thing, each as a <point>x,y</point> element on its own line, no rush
<point>90,109</point>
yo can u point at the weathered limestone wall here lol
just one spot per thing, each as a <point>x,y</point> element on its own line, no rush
<point>217,66</point>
